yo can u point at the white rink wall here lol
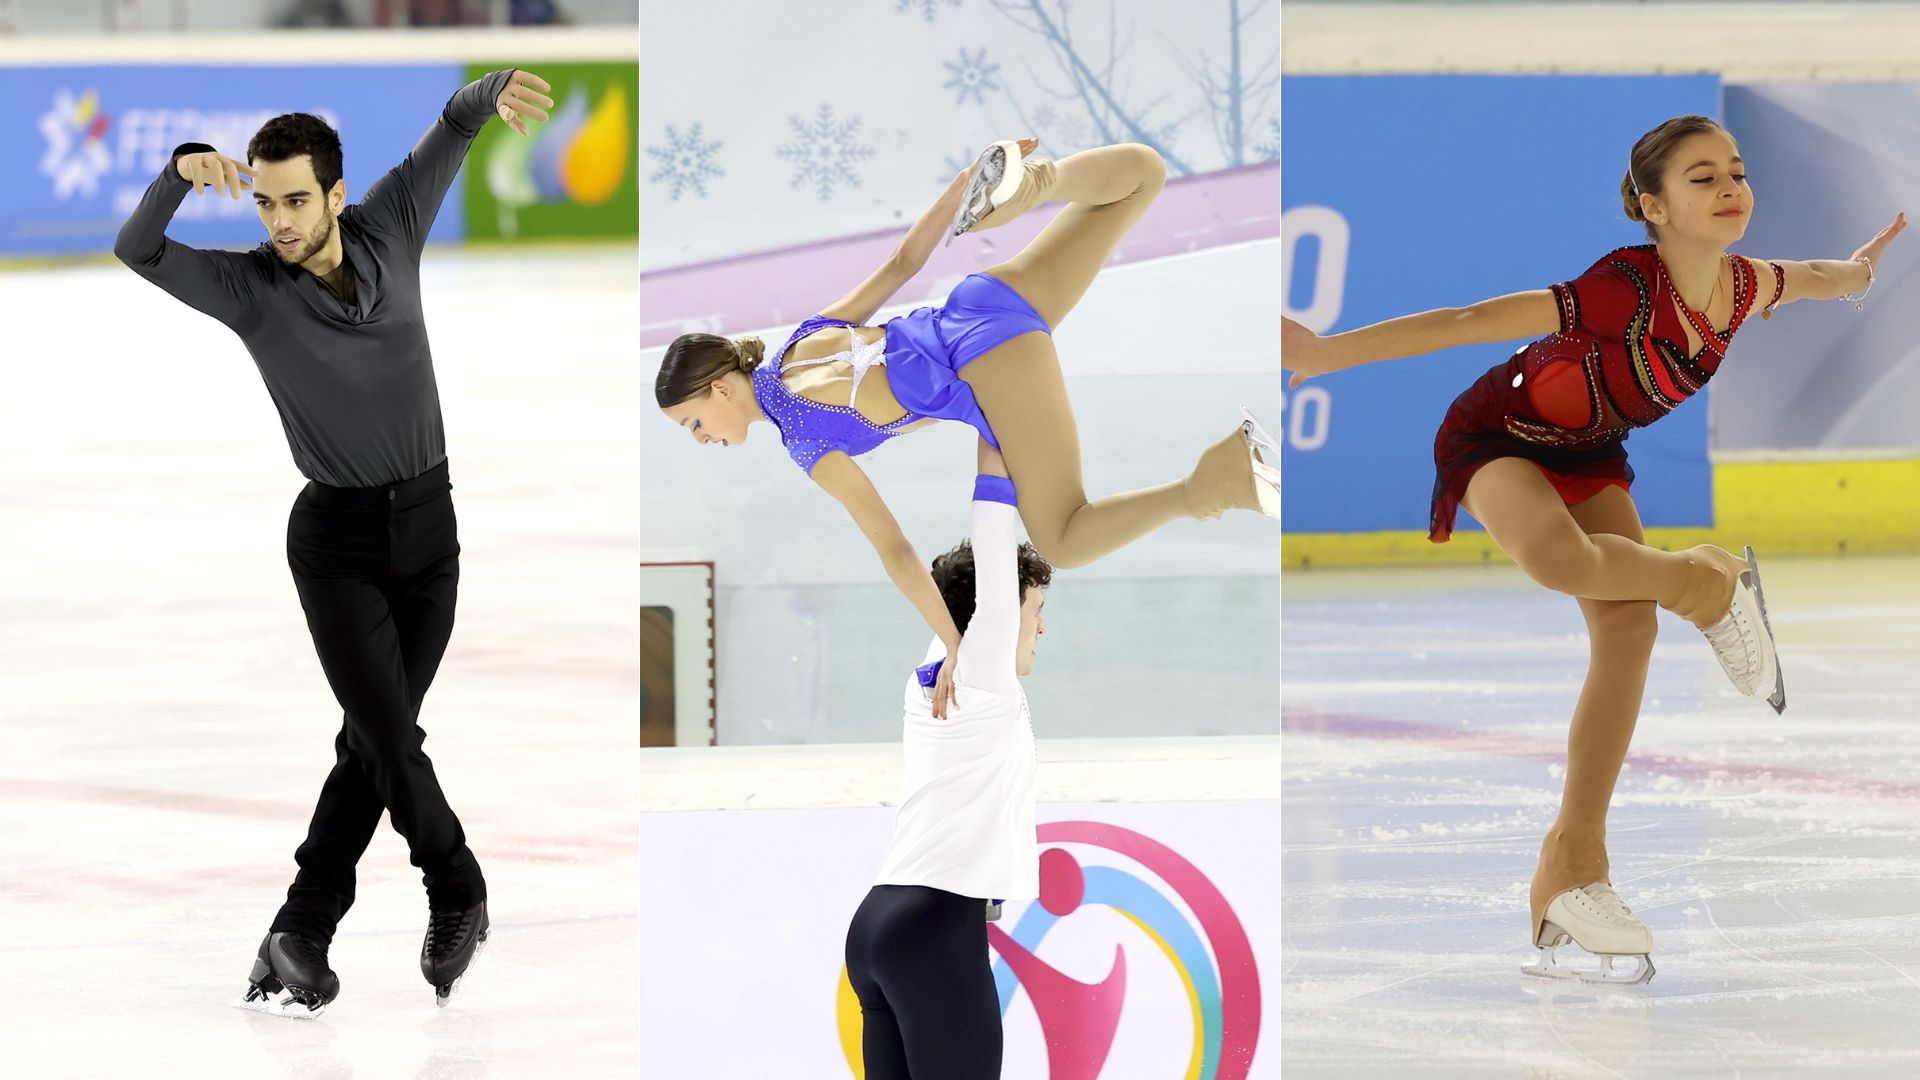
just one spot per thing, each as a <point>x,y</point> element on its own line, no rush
<point>764,852</point>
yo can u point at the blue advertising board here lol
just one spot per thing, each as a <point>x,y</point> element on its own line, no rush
<point>1404,193</point>
<point>83,143</point>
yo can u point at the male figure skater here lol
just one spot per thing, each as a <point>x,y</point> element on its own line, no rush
<point>963,839</point>
<point>329,308</point>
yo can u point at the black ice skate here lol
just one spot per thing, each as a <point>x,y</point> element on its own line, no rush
<point>453,940</point>
<point>290,978</point>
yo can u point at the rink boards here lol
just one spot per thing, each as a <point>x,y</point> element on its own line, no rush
<point>758,857</point>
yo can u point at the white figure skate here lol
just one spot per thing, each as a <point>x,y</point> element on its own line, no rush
<point>1266,462</point>
<point>996,179</point>
<point>1743,641</point>
<point>1593,918</point>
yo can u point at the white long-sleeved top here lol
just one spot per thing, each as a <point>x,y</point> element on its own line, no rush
<point>965,823</point>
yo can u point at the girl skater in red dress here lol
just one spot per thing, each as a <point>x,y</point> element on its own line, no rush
<point>1534,451</point>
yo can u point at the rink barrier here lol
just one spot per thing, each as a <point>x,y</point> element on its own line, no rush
<point>1807,507</point>
<point>1842,42</point>
<point>1145,954</point>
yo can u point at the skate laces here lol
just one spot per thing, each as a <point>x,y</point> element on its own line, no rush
<point>1735,638</point>
<point>1612,908</point>
<point>444,930</point>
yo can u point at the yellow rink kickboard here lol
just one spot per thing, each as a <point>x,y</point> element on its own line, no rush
<point>1779,507</point>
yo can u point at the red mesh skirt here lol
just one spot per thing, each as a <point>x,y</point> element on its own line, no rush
<point>1475,432</point>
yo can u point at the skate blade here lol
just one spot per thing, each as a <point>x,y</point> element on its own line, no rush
<point>442,994</point>
<point>986,188</point>
<point>1596,969</point>
<point>1777,699</point>
<point>1257,434</point>
<point>287,1005</point>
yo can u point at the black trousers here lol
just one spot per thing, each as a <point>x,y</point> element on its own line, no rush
<point>377,570</point>
<point>917,959</point>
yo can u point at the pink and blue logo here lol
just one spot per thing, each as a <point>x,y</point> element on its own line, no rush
<point>1200,936</point>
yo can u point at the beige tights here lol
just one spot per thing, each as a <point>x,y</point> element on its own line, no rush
<point>1595,552</point>
<point>1019,385</point>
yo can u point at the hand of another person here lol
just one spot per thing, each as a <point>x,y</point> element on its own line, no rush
<point>943,691</point>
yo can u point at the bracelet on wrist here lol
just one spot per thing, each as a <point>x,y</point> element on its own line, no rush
<point>1857,300</point>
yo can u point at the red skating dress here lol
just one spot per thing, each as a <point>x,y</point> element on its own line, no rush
<point>1568,401</point>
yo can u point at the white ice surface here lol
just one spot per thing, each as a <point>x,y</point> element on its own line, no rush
<point>166,726</point>
<point>1774,858</point>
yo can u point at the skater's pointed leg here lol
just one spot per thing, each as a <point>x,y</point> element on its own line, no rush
<point>1023,394</point>
<point>1108,190</point>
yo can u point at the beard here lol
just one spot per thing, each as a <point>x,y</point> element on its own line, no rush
<point>312,247</point>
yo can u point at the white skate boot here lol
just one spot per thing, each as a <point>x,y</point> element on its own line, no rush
<point>1594,919</point>
<point>1743,641</point>
<point>1266,462</point>
<point>995,180</point>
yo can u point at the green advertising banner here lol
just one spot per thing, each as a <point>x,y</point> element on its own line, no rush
<point>576,175</point>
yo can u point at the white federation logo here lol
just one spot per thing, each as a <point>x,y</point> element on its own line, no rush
<point>76,156</point>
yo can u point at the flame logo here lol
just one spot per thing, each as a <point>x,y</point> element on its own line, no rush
<point>1079,1020</point>
<point>577,157</point>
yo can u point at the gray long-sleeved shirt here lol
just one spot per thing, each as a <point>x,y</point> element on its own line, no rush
<point>353,381</point>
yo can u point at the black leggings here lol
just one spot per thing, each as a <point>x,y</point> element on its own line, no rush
<point>917,958</point>
<point>377,570</point>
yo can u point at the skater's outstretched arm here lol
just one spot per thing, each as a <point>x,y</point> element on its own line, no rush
<point>910,256</point>
<point>216,283</point>
<point>843,479</point>
<point>993,634</point>
<point>1530,314</point>
<point>1829,279</point>
<point>404,201</point>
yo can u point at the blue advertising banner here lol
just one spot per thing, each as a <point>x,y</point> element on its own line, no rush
<point>83,143</point>
<point>1404,193</point>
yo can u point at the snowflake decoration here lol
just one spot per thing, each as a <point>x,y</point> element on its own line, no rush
<point>972,77</point>
<point>1270,150</point>
<point>824,151</point>
<point>1057,132</point>
<point>686,161</point>
<point>927,7</point>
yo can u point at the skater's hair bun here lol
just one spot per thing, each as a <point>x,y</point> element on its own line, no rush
<point>695,361</point>
<point>749,351</point>
<point>1647,165</point>
<point>953,575</point>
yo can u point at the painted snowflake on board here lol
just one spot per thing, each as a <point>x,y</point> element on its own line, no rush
<point>971,77</point>
<point>1059,134</point>
<point>925,7</point>
<point>824,151</point>
<point>686,162</point>
<point>1270,149</point>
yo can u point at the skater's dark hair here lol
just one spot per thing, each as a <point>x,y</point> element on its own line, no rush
<point>694,361</point>
<point>293,134</point>
<point>953,574</point>
<point>1648,162</point>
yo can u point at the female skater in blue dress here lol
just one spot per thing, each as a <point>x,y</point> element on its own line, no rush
<point>985,357</point>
